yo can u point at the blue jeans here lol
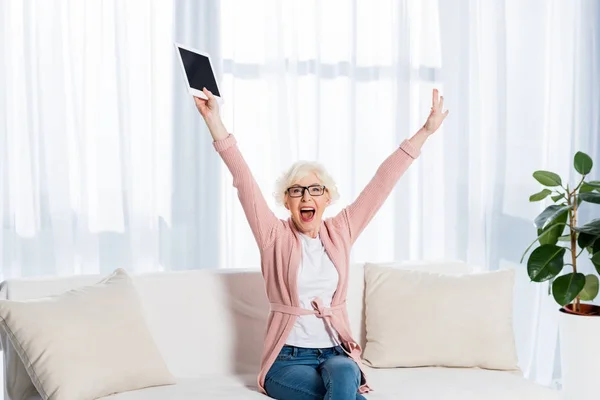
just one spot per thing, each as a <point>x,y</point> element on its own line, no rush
<point>313,374</point>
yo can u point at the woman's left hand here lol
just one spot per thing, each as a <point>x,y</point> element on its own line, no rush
<point>436,116</point>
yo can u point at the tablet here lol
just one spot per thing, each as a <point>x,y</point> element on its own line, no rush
<point>197,71</point>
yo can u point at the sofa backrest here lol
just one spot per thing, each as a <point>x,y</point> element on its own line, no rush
<point>204,321</point>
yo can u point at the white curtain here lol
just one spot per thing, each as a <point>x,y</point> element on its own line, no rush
<point>100,166</point>
<point>104,161</point>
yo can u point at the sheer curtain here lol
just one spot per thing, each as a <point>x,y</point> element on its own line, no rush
<point>106,163</point>
<point>343,83</point>
<point>102,162</point>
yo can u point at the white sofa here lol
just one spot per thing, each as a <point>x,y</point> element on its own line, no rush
<point>209,324</point>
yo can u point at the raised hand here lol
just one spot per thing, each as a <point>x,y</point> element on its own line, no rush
<point>437,115</point>
<point>209,109</point>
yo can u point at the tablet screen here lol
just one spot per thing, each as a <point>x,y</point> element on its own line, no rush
<point>198,71</point>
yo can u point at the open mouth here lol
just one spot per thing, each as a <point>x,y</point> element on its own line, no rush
<point>307,214</point>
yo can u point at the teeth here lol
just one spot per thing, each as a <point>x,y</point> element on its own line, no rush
<point>307,209</point>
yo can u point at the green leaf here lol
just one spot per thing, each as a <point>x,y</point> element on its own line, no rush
<point>556,228</point>
<point>557,197</point>
<point>592,197</point>
<point>596,261</point>
<point>564,238</point>
<point>583,163</point>
<point>547,178</point>
<point>551,213</point>
<point>594,184</point>
<point>585,188</point>
<point>545,262</point>
<point>590,289</point>
<point>592,227</point>
<point>585,239</point>
<point>566,287</point>
<point>539,238</point>
<point>540,195</point>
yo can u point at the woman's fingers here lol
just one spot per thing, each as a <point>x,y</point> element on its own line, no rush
<point>209,95</point>
<point>434,99</point>
<point>208,107</point>
<point>212,100</point>
<point>201,105</point>
<point>199,102</point>
<point>441,107</point>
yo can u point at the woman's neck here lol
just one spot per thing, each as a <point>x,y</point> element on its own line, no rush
<point>312,233</point>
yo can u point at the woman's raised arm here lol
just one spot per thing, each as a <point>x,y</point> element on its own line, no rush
<point>360,212</point>
<point>263,222</point>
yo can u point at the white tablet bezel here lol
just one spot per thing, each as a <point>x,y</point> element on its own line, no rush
<point>191,90</point>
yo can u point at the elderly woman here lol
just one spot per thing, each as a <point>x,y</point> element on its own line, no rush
<point>309,351</point>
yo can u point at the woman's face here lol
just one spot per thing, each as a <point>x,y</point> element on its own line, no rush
<point>307,210</point>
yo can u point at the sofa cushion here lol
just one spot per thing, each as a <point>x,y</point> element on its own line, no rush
<point>85,343</point>
<point>419,318</point>
<point>356,286</point>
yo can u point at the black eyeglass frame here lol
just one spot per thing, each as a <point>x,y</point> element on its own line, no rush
<point>306,188</point>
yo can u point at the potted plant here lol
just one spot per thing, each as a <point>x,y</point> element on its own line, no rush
<point>563,241</point>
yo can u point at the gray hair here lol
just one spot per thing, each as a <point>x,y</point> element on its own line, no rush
<point>299,170</point>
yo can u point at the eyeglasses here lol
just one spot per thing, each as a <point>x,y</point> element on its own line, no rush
<point>313,190</point>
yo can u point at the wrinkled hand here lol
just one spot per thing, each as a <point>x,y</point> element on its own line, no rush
<point>209,109</point>
<point>436,116</point>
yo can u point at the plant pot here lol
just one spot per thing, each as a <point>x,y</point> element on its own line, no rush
<point>580,353</point>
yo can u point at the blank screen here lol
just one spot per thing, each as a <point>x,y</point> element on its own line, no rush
<point>198,71</point>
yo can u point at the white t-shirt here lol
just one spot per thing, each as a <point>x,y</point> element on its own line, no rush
<point>317,277</point>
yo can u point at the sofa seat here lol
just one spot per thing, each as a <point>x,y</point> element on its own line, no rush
<point>388,384</point>
<point>222,387</point>
<point>411,383</point>
<point>454,384</point>
<point>207,387</point>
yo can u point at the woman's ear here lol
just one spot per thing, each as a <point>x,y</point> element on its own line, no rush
<point>285,202</point>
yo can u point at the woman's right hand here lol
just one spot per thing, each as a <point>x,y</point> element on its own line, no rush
<point>209,109</point>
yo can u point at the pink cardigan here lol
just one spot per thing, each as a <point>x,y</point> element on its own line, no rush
<point>280,249</point>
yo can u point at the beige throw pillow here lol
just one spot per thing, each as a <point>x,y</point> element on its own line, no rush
<point>86,343</point>
<point>416,318</point>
